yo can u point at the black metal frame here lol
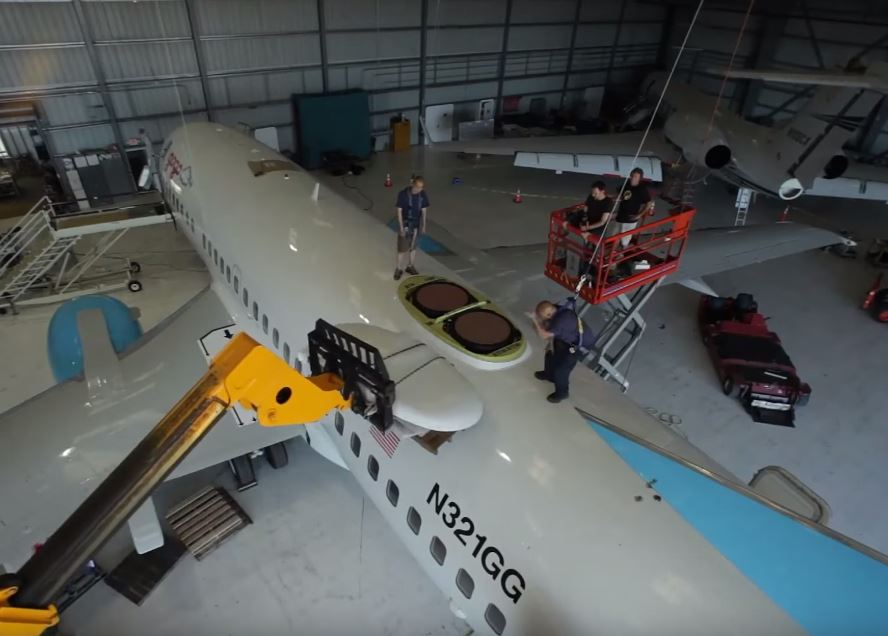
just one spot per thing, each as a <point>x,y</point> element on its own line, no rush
<point>360,365</point>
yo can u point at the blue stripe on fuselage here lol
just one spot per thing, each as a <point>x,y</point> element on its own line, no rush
<point>828,587</point>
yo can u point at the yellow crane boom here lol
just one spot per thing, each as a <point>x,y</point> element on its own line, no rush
<point>244,372</point>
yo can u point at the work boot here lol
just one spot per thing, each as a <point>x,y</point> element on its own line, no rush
<point>398,274</point>
<point>542,375</point>
<point>412,270</point>
<point>555,398</point>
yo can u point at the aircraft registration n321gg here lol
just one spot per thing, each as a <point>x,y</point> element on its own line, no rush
<point>533,519</point>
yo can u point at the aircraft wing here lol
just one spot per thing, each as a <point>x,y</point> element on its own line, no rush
<point>714,250</point>
<point>874,78</point>
<point>605,154</point>
<point>61,443</point>
<point>860,181</point>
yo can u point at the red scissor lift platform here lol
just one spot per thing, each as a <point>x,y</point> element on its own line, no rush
<point>623,277</point>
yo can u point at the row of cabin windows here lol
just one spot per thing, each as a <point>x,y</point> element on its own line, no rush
<point>219,261</point>
<point>464,581</point>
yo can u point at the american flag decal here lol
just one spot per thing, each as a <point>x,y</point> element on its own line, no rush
<point>388,441</point>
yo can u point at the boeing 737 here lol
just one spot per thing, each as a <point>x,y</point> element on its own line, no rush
<point>583,517</point>
<point>803,155</point>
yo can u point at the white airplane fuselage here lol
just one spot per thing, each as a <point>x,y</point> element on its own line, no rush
<point>537,516</point>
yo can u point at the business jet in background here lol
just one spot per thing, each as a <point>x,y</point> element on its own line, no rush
<point>803,155</point>
<point>583,517</point>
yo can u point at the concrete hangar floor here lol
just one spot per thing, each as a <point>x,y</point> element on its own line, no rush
<point>319,560</point>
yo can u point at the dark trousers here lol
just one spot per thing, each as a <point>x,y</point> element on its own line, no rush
<point>559,363</point>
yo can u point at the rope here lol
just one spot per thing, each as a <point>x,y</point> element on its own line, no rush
<point>644,137</point>
<point>721,89</point>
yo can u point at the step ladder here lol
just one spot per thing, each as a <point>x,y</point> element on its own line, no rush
<point>15,242</point>
<point>745,198</point>
<point>620,335</point>
<point>36,268</point>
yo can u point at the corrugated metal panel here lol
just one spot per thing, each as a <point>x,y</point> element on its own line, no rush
<point>241,89</point>
<point>131,20</point>
<point>42,68</point>
<point>530,11</point>
<point>228,17</point>
<point>447,94</point>
<point>536,63</point>
<point>462,69</point>
<point>465,40</point>
<point>466,12</point>
<point>394,100</point>
<point>348,47</point>
<point>147,60</point>
<point>150,100</point>
<point>539,37</point>
<point>532,85</point>
<point>73,109</point>
<point>257,117</point>
<point>266,52</point>
<point>348,14</point>
<point>69,141</point>
<point>38,23</point>
<point>157,129</point>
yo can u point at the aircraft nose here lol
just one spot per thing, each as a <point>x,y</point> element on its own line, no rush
<point>790,189</point>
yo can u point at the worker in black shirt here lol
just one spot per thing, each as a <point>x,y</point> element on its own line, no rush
<point>635,202</point>
<point>594,214</point>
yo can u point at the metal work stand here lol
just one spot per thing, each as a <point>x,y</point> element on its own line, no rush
<point>621,334</point>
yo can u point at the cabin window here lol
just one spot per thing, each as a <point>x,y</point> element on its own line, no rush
<point>204,240</point>
<point>465,583</point>
<point>373,468</point>
<point>246,297</point>
<point>392,492</point>
<point>275,338</point>
<point>215,256</point>
<point>339,422</point>
<point>355,445</point>
<point>438,550</point>
<point>255,310</point>
<point>286,353</point>
<point>495,619</point>
<point>236,285</point>
<point>414,520</point>
<point>221,264</point>
<point>228,274</point>
<point>264,323</point>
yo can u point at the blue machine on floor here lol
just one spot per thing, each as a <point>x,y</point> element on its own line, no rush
<point>64,345</point>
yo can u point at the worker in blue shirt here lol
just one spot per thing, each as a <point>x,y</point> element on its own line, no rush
<point>565,334</point>
<point>412,210</point>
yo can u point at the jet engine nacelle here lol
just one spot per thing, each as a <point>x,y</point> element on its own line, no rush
<point>698,143</point>
<point>835,167</point>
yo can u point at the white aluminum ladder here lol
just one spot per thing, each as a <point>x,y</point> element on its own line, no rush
<point>34,270</point>
<point>621,334</point>
<point>745,198</point>
<point>17,240</point>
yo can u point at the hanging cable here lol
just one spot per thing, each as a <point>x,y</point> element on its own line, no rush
<point>721,89</point>
<point>644,137</point>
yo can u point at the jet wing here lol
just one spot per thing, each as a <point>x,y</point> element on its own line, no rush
<point>714,250</point>
<point>860,181</point>
<point>61,443</point>
<point>605,154</point>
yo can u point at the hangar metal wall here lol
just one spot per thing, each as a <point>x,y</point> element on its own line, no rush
<point>98,70</point>
<point>782,34</point>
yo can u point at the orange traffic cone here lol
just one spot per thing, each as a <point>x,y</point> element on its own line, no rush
<point>388,180</point>
<point>517,198</point>
<point>784,216</point>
